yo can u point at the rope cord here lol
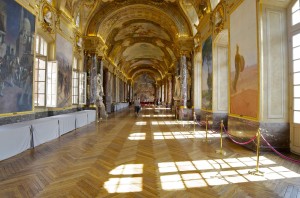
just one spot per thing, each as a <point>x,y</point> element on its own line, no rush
<point>240,143</point>
<point>278,153</point>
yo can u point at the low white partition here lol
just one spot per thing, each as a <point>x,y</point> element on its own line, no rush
<point>67,123</point>
<point>91,114</point>
<point>14,139</point>
<point>81,118</point>
<point>44,130</point>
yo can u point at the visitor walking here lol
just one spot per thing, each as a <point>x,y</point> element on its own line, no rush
<point>137,106</point>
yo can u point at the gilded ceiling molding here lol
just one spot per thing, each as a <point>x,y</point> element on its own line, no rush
<point>140,12</point>
<point>89,3</point>
<point>204,8</point>
<point>218,17</point>
<point>186,45</point>
<point>93,43</point>
<point>111,17</point>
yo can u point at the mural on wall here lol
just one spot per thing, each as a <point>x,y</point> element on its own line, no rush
<point>17,26</point>
<point>64,54</point>
<point>207,72</point>
<point>144,88</point>
<point>244,69</point>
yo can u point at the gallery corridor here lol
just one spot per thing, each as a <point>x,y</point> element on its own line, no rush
<point>152,155</point>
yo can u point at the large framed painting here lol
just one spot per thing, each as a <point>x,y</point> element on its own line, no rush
<point>17,27</point>
<point>244,91</point>
<point>64,55</point>
<point>207,73</point>
<point>144,88</point>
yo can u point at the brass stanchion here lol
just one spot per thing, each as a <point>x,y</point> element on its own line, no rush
<point>221,149</point>
<point>206,131</point>
<point>256,171</point>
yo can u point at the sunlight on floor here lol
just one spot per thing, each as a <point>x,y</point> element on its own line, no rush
<point>174,135</point>
<point>159,116</point>
<point>174,178</point>
<point>128,169</point>
<point>137,136</point>
<point>182,175</point>
<point>183,135</point>
<point>172,122</point>
<point>141,123</point>
<point>124,185</point>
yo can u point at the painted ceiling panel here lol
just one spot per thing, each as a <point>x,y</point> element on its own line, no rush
<point>142,30</point>
<point>143,50</point>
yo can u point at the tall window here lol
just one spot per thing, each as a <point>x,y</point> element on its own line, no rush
<point>296,74</point>
<point>75,82</point>
<point>82,88</point>
<point>296,13</point>
<point>295,34</point>
<point>52,84</point>
<point>40,71</point>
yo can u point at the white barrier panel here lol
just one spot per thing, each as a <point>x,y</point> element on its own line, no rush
<point>67,123</point>
<point>91,114</point>
<point>81,119</point>
<point>14,139</point>
<point>44,130</point>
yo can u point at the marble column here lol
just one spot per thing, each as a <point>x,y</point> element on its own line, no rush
<point>108,89</point>
<point>169,90</point>
<point>183,72</point>
<point>93,80</point>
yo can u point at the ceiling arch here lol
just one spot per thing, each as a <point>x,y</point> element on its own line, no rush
<point>141,35</point>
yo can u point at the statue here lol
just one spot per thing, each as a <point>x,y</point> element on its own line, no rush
<point>48,17</point>
<point>177,88</point>
<point>79,42</point>
<point>100,107</point>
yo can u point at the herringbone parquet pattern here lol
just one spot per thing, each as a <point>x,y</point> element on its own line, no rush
<point>149,156</point>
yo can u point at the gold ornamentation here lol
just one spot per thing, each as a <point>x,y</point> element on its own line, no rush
<point>219,18</point>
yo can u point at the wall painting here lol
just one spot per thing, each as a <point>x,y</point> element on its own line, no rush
<point>144,88</point>
<point>207,73</point>
<point>17,27</point>
<point>64,54</point>
<point>244,91</point>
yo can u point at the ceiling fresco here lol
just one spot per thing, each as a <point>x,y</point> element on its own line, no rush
<point>143,50</point>
<point>142,30</point>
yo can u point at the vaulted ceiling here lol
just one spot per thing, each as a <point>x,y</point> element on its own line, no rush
<point>140,36</point>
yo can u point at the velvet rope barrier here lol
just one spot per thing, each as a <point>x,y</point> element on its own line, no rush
<point>240,143</point>
<point>278,153</point>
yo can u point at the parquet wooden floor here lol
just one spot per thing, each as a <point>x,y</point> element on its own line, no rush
<point>152,155</point>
